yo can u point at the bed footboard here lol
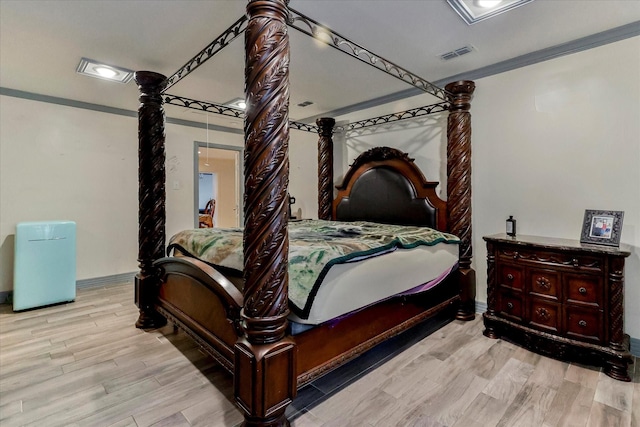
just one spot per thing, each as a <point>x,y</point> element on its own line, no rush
<point>204,303</point>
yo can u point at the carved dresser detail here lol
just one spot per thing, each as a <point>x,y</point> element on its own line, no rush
<point>559,298</point>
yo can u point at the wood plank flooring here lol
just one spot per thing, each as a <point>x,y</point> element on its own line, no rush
<point>85,364</point>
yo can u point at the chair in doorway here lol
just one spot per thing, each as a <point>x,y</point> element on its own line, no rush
<point>206,218</point>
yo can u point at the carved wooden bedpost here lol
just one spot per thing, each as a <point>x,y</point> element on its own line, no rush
<point>325,166</point>
<point>459,188</point>
<point>616,366</point>
<point>265,377</point>
<point>151,194</point>
<point>492,286</point>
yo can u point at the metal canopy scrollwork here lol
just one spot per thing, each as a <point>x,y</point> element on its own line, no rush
<point>303,126</point>
<point>395,117</point>
<point>327,36</point>
<point>335,40</point>
<point>224,110</point>
<point>203,106</point>
<point>208,52</point>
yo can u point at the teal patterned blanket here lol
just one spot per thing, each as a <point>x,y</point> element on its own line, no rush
<point>314,247</point>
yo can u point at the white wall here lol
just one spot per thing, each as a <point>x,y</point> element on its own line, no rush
<point>303,172</point>
<point>553,139</point>
<point>59,162</point>
<point>549,141</point>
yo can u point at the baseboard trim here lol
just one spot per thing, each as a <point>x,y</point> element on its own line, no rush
<point>105,280</point>
<point>635,347</point>
<point>481,307</point>
<point>6,296</point>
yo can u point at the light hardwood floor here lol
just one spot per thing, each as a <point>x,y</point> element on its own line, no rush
<point>85,364</point>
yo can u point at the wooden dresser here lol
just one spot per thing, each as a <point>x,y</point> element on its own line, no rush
<point>559,298</point>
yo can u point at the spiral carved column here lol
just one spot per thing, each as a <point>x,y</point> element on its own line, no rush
<point>616,298</point>
<point>151,194</point>
<point>617,364</point>
<point>459,188</point>
<point>264,380</point>
<point>325,166</point>
<point>491,287</point>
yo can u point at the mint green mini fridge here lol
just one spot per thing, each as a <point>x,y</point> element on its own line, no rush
<point>44,264</point>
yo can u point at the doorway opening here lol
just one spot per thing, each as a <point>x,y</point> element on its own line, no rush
<point>217,184</point>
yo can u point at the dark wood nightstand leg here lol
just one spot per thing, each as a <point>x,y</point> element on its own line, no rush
<point>617,370</point>
<point>489,330</point>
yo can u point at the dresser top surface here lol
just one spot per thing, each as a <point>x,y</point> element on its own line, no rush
<point>557,243</point>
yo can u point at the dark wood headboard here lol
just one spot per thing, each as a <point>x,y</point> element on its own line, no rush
<point>384,185</point>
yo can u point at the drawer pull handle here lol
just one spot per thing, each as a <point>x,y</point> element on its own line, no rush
<point>510,277</point>
<point>582,323</point>
<point>582,290</point>
<point>575,262</point>
<point>509,305</point>
<point>543,314</point>
<point>516,255</point>
<point>543,283</point>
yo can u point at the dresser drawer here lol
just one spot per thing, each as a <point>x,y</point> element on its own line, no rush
<point>553,259</point>
<point>510,305</point>
<point>511,276</point>
<point>584,324</point>
<point>544,283</point>
<point>544,315</point>
<point>583,289</point>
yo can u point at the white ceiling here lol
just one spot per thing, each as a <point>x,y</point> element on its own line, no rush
<point>41,43</point>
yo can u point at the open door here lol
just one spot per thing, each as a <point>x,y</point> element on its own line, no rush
<point>218,178</point>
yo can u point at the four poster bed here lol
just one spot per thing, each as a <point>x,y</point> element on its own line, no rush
<point>238,312</point>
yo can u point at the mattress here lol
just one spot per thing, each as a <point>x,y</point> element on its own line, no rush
<point>351,286</point>
<point>338,267</point>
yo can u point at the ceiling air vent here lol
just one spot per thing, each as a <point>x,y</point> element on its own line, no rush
<point>456,53</point>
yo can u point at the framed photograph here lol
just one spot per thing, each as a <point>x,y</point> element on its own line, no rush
<point>602,227</point>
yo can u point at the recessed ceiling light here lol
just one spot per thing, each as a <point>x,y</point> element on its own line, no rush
<point>488,3</point>
<point>92,68</point>
<point>473,11</point>
<point>106,72</point>
<point>238,103</point>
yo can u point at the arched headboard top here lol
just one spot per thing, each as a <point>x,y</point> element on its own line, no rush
<point>384,185</point>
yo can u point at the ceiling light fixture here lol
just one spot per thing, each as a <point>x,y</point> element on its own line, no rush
<point>322,35</point>
<point>238,103</point>
<point>92,68</point>
<point>109,73</point>
<point>473,11</point>
<point>488,3</point>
